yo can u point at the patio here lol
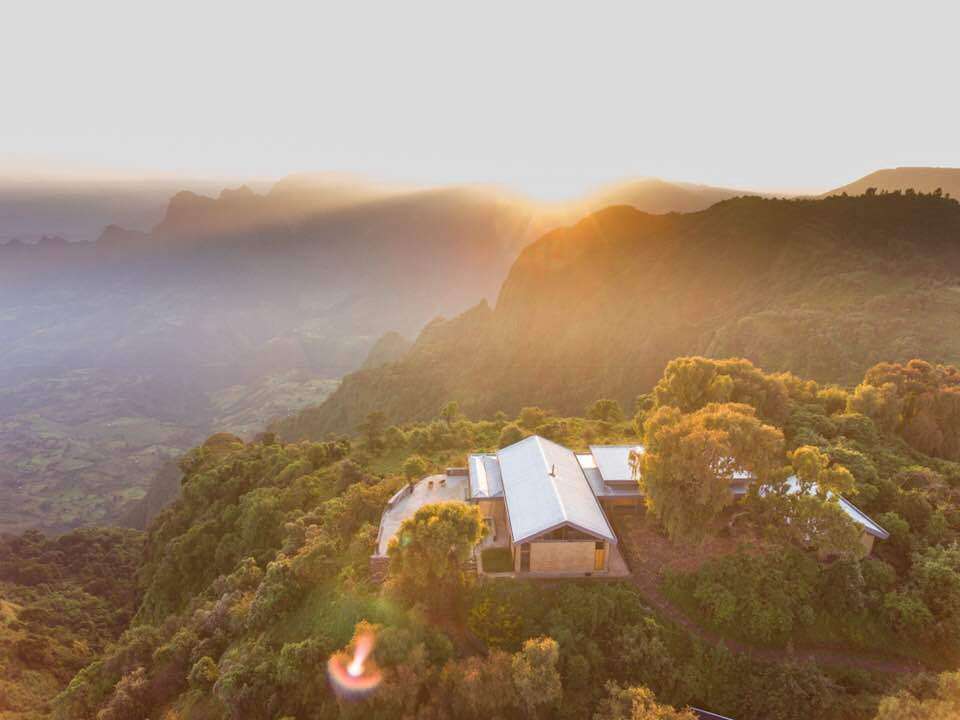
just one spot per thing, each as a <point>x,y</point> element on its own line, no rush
<point>403,505</point>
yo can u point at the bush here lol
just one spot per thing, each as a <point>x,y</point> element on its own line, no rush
<point>763,598</point>
<point>497,559</point>
<point>204,674</point>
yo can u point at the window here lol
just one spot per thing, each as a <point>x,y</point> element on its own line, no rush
<point>566,534</point>
<point>525,557</point>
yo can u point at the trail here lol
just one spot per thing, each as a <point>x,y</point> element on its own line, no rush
<point>650,589</point>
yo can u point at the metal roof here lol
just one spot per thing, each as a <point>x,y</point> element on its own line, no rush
<point>485,480</point>
<point>544,488</point>
<point>707,715</point>
<point>600,488</point>
<point>855,513</point>
<point>613,461</point>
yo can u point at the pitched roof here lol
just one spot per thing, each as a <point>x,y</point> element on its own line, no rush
<point>544,487</point>
<point>613,461</point>
<point>485,480</point>
<point>855,513</point>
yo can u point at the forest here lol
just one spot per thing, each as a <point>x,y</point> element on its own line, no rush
<point>241,590</point>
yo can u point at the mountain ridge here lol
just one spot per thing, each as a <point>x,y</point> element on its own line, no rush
<point>822,288</point>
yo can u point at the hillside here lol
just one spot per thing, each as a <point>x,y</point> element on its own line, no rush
<point>823,288</point>
<point>921,179</point>
<point>260,572</point>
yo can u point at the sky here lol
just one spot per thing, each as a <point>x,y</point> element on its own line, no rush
<point>549,99</point>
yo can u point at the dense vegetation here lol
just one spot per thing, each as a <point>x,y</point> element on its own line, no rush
<point>260,572</point>
<point>822,288</point>
<point>62,602</point>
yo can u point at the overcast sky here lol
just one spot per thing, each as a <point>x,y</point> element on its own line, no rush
<point>547,98</point>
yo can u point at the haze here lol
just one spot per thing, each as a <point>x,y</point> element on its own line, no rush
<point>544,99</point>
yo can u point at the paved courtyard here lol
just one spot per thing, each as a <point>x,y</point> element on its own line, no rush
<point>432,489</point>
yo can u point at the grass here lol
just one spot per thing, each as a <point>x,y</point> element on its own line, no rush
<point>497,559</point>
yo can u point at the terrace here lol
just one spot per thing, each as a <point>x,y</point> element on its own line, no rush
<point>405,503</point>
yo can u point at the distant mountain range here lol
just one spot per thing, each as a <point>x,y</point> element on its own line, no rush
<point>223,312</point>
<point>823,288</point>
<point>78,210</point>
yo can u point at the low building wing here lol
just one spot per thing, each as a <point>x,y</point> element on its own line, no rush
<point>602,489</point>
<point>485,479</point>
<point>613,462</point>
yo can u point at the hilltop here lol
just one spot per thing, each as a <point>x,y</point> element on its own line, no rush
<point>823,288</point>
<point>920,179</point>
<point>260,571</point>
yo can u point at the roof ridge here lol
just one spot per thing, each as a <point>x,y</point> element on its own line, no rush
<point>553,478</point>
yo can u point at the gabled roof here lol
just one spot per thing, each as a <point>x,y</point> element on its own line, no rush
<point>855,513</point>
<point>544,488</point>
<point>613,461</point>
<point>485,481</point>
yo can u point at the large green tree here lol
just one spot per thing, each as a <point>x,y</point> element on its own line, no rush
<point>808,511</point>
<point>429,550</point>
<point>692,458</point>
<point>690,383</point>
<point>536,675</point>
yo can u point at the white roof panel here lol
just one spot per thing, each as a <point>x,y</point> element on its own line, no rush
<point>613,461</point>
<point>545,487</point>
<point>485,480</point>
<point>599,487</point>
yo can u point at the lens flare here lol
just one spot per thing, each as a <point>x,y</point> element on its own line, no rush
<point>358,675</point>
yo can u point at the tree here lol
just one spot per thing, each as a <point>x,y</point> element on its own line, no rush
<point>395,437</point>
<point>808,512</point>
<point>920,401</point>
<point>606,410</point>
<point>690,383</point>
<point>479,687</point>
<point>415,467</point>
<point>690,462</point>
<point>510,434</point>
<point>816,475</point>
<point>532,417</point>
<point>636,703</point>
<point>373,428</point>
<point>428,552</point>
<point>880,404</point>
<point>943,705</point>
<point>536,676</point>
<point>204,674</point>
<point>450,412</point>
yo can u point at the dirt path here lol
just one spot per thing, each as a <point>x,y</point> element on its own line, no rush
<point>658,553</point>
<point>649,588</point>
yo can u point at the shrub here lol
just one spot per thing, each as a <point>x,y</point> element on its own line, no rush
<point>497,559</point>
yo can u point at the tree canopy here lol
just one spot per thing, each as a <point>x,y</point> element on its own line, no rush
<point>691,459</point>
<point>428,552</point>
